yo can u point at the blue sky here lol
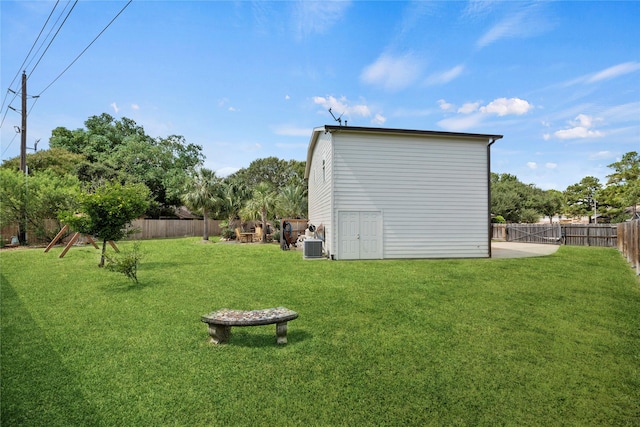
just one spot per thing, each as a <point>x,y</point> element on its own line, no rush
<point>248,80</point>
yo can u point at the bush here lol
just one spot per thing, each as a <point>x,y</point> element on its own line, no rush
<point>498,219</point>
<point>228,234</point>
<point>126,262</point>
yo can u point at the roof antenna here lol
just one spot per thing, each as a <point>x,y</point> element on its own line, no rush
<point>339,119</point>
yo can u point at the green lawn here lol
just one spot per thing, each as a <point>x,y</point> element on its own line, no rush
<point>535,341</point>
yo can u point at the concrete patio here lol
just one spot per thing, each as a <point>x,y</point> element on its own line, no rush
<point>521,250</point>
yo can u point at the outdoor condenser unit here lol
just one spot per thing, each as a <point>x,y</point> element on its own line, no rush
<point>312,248</point>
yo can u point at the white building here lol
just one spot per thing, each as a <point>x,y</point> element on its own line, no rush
<point>378,193</point>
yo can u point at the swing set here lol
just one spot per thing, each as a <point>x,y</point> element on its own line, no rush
<point>73,240</point>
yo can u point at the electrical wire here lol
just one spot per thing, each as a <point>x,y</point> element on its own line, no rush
<point>86,48</point>
<point>34,44</point>
<point>17,91</point>
<point>53,38</point>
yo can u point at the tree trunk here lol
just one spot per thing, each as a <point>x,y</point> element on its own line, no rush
<point>263,214</point>
<point>104,249</point>
<point>205,232</point>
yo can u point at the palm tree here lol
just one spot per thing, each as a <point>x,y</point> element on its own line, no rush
<point>233,196</point>
<point>292,201</point>
<point>261,203</point>
<point>202,195</point>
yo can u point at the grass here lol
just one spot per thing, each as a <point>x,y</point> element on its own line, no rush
<point>536,341</point>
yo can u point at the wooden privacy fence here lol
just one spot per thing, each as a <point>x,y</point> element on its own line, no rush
<point>629,242</point>
<point>569,234</point>
<point>163,228</point>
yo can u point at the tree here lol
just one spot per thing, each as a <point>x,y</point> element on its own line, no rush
<point>623,185</point>
<point>32,200</point>
<point>203,195</point>
<point>292,201</point>
<point>514,200</point>
<point>120,150</point>
<point>232,198</point>
<point>261,204</point>
<point>56,160</point>
<point>581,197</point>
<point>276,172</point>
<point>106,211</point>
<point>551,203</point>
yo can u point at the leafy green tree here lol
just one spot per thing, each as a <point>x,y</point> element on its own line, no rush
<point>276,172</point>
<point>623,186</point>
<point>261,204</point>
<point>551,202</point>
<point>120,150</point>
<point>581,197</point>
<point>291,201</point>
<point>56,160</point>
<point>203,195</point>
<point>106,211</point>
<point>32,200</point>
<point>513,200</point>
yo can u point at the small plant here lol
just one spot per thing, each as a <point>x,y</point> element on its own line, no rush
<point>126,262</point>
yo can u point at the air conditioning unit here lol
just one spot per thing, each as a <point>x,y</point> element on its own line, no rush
<point>312,248</point>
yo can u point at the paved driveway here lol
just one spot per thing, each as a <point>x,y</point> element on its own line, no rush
<point>520,250</point>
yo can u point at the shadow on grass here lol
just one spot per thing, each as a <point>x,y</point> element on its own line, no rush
<point>267,338</point>
<point>36,388</point>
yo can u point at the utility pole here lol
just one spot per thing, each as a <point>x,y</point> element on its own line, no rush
<point>22,224</point>
<point>23,130</point>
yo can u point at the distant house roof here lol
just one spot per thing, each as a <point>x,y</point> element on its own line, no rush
<point>358,129</point>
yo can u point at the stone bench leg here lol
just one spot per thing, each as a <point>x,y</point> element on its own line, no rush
<point>281,333</point>
<point>219,333</point>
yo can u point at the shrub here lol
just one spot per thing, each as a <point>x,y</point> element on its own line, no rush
<point>126,262</point>
<point>228,233</point>
<point>498,219</point>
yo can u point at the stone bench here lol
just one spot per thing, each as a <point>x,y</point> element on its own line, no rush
<point>221,321</point>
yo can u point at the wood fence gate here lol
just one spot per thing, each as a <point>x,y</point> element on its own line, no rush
<point>550,234</point>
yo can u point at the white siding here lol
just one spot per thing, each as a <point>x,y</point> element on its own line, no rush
<point>320,187</point>
<point>432,191</point>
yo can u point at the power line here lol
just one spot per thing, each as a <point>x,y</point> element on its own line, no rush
<point>17,91</point>
<point>55,24</point>
<point>53,38</point>
<point>86,48</point>
<point>34,44</point>
<point>27,57</point>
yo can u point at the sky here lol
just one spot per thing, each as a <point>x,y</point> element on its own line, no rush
<point>248,80</point>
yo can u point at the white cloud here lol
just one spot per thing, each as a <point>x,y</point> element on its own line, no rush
<point>445,106</point>
<point>546,136</point>
<point>226,171</point>
<point>581,129</point>
<point>287,97</point>
<point>457,124</point>
<point>445,76</point>
<point>578,132</point>
<point>504,106</point>
<point>378,119</point>
<point>317,17</point>
<point>135,107</point>
<point>550,165</point>
<point>392,73</point>
<point>527,22</point>
<point>615,71</point>
<point>115,107</point>
<point>469,107</point>
<point>532,165</point>
<point>601,155</point>
<point>341,106</point>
